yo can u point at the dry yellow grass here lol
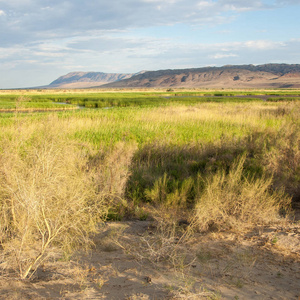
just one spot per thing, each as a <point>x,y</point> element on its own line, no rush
<point>48,197</point>
<point>233,201</point>
<point>59,174</point>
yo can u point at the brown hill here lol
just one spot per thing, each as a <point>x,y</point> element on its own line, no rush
<point>87,79</point>
<point>243,76</point>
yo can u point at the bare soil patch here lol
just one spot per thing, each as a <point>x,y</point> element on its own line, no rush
<point>261,264</point>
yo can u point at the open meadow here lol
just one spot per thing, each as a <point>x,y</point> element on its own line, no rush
<point>150,194</point>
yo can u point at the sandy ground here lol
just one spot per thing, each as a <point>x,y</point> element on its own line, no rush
<point>132,260</point>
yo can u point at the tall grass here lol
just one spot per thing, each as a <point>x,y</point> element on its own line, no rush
<point>48,197</point>
<point>62,173</point>
<point>104,99</point>
<point>236,201</point>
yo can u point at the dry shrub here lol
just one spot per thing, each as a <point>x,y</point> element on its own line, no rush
<point>283,160</point>
<point>236,202</point>
<point>115,165</point>
<point>112,180</point>
<point>167,244</point>
<point>47,197</point>
<point>161,245</point>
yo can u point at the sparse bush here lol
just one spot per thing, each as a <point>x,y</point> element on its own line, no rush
<point>167,243</point>
<point>48,198</point>
<point>283,160</point>
<point>111,181</point>
<point>235,201</point>
<point>115,163</point>
<point>183,164</point>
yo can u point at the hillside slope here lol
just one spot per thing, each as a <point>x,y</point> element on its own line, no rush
<point>86,79</point>
<point>238,76</point>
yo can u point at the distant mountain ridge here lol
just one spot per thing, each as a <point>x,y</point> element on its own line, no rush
<point>229,76</point>
<point>87,79</point>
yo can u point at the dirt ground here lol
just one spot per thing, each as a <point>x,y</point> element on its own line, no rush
<point>132,260</point>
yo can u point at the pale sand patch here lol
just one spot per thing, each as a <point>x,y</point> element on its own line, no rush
<point>262,264</point>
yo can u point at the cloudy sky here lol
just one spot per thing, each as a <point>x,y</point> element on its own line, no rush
<point>41,40</point>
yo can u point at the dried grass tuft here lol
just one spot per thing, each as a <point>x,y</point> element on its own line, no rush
<point>234,201</point>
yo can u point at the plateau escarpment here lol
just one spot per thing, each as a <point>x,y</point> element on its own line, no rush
<point>246,76</point>
<point>230,76</point>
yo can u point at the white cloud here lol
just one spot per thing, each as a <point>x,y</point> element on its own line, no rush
<point>31,20</point>
<point>205,4</point>
<point>101,35</point>
<point>39,64</point>
<point>223,55</point>
<point>263,45</point>
<point>242,6</point>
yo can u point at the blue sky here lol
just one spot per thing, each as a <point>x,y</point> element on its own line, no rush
<point>41,40</point>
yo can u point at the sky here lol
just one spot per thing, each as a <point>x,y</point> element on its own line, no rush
<point>41,40</point>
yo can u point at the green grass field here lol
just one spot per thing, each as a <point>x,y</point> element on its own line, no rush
<point>151,152</point>
<point>63,100</point>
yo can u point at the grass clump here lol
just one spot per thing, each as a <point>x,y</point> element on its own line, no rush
<point>111,181</point>
<point>235,201</point>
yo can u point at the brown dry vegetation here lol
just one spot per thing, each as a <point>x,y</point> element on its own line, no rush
<point>217,209</point>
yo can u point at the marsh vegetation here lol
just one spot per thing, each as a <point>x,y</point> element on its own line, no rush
<point>190,165</point>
